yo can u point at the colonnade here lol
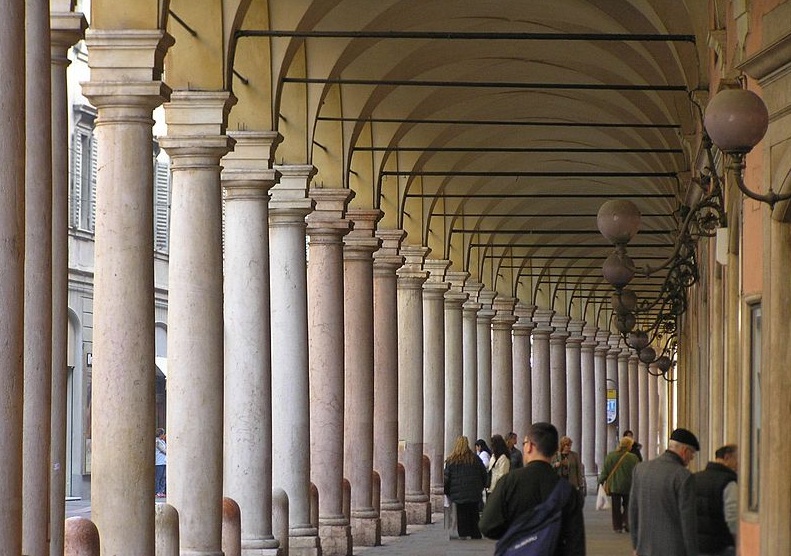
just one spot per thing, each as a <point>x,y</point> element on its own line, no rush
<point>284,370</point>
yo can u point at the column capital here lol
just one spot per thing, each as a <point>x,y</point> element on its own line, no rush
<point>387,259</point>
<point>486,297</point>
<point>361,241</point>
<point>559,323</point>
<point>326,222</point>
<point>524,315</point>
<point>504,312</point>
<point>436,285</point>
<point>602,341</point>
<point>411,274</point>
<point>196,128</point>
<point>456,296</point>
<point>614,341</point>
<point>589,332</point>
<point>247,171</point>
<point>126,69</point>
<point>543,319</point>
<point>66,29</point>
<point>472,289</point>
<point>290,201</point>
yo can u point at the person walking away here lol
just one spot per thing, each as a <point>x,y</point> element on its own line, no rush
<point>718,503</point>
<point>483,451</point>
<point>616,476</point>
<point>662,510</point>
<point>500,462</point>
<point>636,446</point>
<point>513,452</point>
<point>465,476</point>
<point>160,463</point>
<point>521,490</point>
<point>568,466</point>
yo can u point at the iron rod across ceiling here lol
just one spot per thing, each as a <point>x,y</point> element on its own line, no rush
<point>466,35</point>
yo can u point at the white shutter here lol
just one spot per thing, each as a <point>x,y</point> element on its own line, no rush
<point>76,180</point>
<point>94,168</point>
<point>161,205</point>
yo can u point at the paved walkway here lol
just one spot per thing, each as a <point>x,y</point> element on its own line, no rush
<point>432,540</point>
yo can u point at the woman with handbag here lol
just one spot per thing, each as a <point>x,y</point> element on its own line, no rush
<point>464,479</point>
<point>616,476</point>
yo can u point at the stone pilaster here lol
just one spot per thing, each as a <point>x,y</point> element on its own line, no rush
<point>522,378</point>
<point>643,404</point>
<point>125,87</point>
<point>326,227</point>
<point>247,177</point>
<point>358,301</point>
<point>196,141</point>
<point>484,333</point>
<point>12,214</point>
<point>600,377</point>
<point>587,443</point>
<point>542,399</point>
<point>634,395</point>
<point>434,290</point>
<point>557,371</point>
<point>623,391</point>
<point>290,384</point>
<point>652,446</point>
<point>574,382</point>
<point>503,365</point>
<point>411,277</point>
<point>454,359</point>
<point>470,310</point>
<point>387,261</point>
<point>613,353</point>
<point>66,29</point>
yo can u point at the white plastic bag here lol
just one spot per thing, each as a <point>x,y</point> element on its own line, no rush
<point>602,500</point>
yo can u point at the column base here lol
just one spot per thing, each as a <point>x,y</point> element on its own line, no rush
<point>336,540</point>
<point>393,523</point>
<point>262,552</point>
<point>304,546</point>
<point>366,531</point>
<point>437,503</point>
<point>418,513</point>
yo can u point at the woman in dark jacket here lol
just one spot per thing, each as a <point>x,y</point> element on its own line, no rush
<point>465,477</point>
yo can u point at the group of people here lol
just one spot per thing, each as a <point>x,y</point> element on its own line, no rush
<point>663,506</point>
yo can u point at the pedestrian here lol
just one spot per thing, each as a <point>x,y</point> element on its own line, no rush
<point>616,476</point>
<point>160,463</point>
<point>718,503</point>
<point>500,462</point>
<point>521,490</point>
<point>636,446</point>
<point>465,476</point>
<point>662,509</point>
<point>483,451</point>
<point>568,466</point>
<point>513,452</point>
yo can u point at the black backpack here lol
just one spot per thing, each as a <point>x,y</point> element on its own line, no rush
<point>536,532</point>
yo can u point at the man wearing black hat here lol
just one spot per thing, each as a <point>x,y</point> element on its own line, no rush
<point>662,508</point>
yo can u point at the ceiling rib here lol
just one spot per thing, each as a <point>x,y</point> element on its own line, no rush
<point>518,123</point>
<point>467,35</point>
<point>483,84</point>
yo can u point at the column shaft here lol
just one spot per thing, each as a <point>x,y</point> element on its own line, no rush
<point>385,292</point>
<point>290,385</point>
<point>613,384</point>
<point>634,396</point>
<point>434,290</point>
<point>652,446</point>
<point>542,391</point>
<point>600,373</point>
<point>36,423</point>
<point>588,383</point>
<point>574,383</point>
<point>358,269</point>
<point>503,366</point>
<point>624,412</point>
<point>523,391</point>
<point>122,471</point>
<point>470,360</point>
<point>557,372</point>
<point>410,381</point>
<point>12,214</point>
<point>247,455</point>
<point>195,314</point>
<point>642,432</point>
<point>484,337</point>
<point>454,360</point>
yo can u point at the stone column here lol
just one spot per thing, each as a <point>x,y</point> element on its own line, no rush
<point>36,431</point>
<point>123,64</point>
<point>12,214</point>
<point>522,379</point>
<point>613,384</point>
<point>434,290</point>
<point>290,384</point>
<point>664,418</point>
<point>484,337</point>
<point>623,391</point>
<point>600,373</point>
<point>503,365</point>
<point>358,316</point>
<point>326,228</point>
<point>587,448</point>
<point>196,141</point>
<point>643,404</point>
<point>247,434</point>
<point>386,262</point>
<point>454,372</point>
<point>652,446</point>
<point>66,29</point>
<point>574,382</point>
<point>542,392</point>
<point>411,277</point>
<point>634,395</point>
<point>470,359</point>
<point>557,372</point>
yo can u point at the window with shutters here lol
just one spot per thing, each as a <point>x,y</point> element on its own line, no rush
<point>82,198</point>
<point>161,203</point>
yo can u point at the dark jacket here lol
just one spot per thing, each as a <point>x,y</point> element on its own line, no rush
<point>636,450</point>
<point>516,458</point>
<point>464,482</point>
<point>523,489</point>
<point>713,533</point>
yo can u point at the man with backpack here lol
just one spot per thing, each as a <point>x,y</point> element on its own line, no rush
<point>532,511</point>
